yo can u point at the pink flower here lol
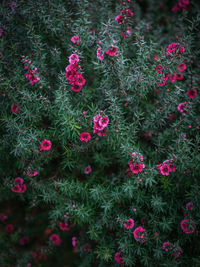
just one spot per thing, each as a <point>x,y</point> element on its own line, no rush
<point>172,77</point>
<point>19,186</point>
<point>181,67</point>
<point>179,76</point>
<point>166,246</point>
<point>171,116</point>
<point>75,40</point>
<point>182,50</point>
<point>103,121</point>
<point>3,217</point>
<point>175,8</point>
<point>73,59</point>
<point>9,229</point>
<point>74,241</point>
<point>45,145</point>
<point>79,80</point>
<point>55,239</point>
<point>24,240</point>
<point>182,107</point>
<point>129,224</point>
<point>88,169</point>
<point>176,252</point>
<point>119,19</point>
<point>188,226</point>
<point>112,51</point>
<point>32,174</point>
<point>100,123</point>
<point>14,108</point>
<point>164,169</point>
<point>118,257</point>
<point>135,167</point>
<point>64,226</point>
<point>192,93</point>
<point>85,137</point>
<point>139,234</point>
<point>76,88</point>
<point>189,206</point>
<point>100,53</point>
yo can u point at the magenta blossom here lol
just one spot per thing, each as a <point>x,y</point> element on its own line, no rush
<point>24,240</point>
<point>32,174</point>
<point>45,145</point>
<point>85,137</point>
<point>192,93</point>
<point>100,53</point>
<point>73,58</point>
<point>74,241</point>
<point>129,224</point>
<point>88,169</point>
<point>75,40</point>
<point>182,107</point>
<point>166,246</point>
<point>19,187</point>
<point>188,226</point>
<point>14,108</point>
<point>189,206</point>
<point>140,234</point>
<point>9,229</point>
<point>181,67</point>
<point>55,239</point>
<point>135,167</point>
<point>118,257</point>
<point>112,51</point>
<point>64,226</point>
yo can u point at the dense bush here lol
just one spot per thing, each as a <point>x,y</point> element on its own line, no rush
<point>99,133</point>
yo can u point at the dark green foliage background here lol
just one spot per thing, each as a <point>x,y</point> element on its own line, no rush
<point>42,31</point>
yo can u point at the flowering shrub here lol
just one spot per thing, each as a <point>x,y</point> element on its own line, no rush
<point>100,117</point>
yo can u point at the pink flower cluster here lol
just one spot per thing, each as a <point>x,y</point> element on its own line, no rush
<point>32,72</point>
<point>123,15</point>
<point>20,187</point>
<point>166,167</point>
<point>74,77</point>
<point>75,40</point>
<point>119,257</point>
<point>172,77</point>
<point>100,124</point>
<point>175,48</point>
<point>181,5</point>
<point>55,239</point>
<point>135,163</point>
